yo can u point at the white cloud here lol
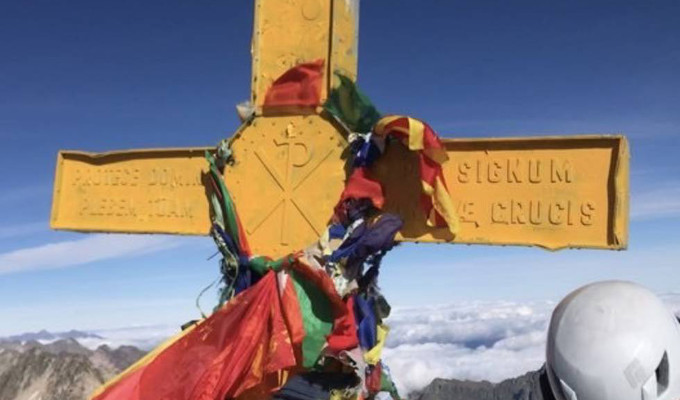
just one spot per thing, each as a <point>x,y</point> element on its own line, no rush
<point>107,315</point>
<point>470,324</point>
<point>473,340</point>
<point>491,340</point>
<point>81,251</point>
<point>415,366</point>
<point>142,337</point>
<point>659,202</point>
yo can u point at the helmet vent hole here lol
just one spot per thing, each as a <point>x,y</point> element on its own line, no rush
<point>662,375</point>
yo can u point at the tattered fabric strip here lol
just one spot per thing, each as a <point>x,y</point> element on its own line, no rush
<point>228,209</point>
<point>235,349</point>
<point>419,136</point>
<point>300,86</point>
<point>349,105</point>
<point>374,355</point>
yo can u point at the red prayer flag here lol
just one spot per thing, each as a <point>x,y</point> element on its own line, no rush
<point>419,136</point>
<point>292,313</point>
<point>374,379</point>
<point>299,86</point>
<point>360,185</point>
<point>344,334</point>
<point>238,347</point>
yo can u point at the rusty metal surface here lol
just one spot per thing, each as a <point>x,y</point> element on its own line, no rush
<point>554,192</point>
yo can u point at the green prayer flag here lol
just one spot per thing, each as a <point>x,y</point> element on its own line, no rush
<point>262,265</point>
<point>353,108</point>
<point>317,318</point>
<point>228,213</point>
<point>386,385</point>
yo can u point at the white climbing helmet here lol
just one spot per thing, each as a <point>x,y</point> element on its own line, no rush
<point>613,341</point>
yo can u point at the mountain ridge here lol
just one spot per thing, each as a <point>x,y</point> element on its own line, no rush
<point>58,370</point>
<point>44,335</point>
<point>64,369</point>
<point>530,386</point>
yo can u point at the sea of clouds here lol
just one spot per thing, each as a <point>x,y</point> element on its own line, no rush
<point>472,340</point>
<point>491,340</point>
<point>142,337</point>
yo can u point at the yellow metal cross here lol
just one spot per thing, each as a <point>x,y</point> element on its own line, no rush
<point>289,169</point>
<point>308,165</point>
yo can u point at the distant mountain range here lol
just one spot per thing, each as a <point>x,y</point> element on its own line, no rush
<point>49,336</point>
<point>531,386</point>
<point>59,370</point>
<point>55,366</point>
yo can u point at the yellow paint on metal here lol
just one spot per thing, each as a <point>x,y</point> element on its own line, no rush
<point>553,192</point>
<point>345,40</point>
<point>139,191</point>
<point>557,192</point>
<point>287,177</point>
<point>289,170</point>
<point>287,33</point>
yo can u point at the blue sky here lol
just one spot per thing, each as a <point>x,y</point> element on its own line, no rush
<point>110,75</point>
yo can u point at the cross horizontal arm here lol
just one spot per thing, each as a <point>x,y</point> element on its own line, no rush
<point>135,191</point>
<point>553,192</point>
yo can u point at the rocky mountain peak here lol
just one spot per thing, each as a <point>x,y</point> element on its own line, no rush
<point>59,370</point>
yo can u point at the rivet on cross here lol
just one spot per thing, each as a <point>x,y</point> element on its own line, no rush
<point>553,192</point>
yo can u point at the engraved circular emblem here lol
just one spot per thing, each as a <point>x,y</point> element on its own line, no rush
<point>287,177</point>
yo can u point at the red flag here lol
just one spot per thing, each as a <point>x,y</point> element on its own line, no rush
<point>374,378</point>
<point>344,334</point>
<point>292,313</point>
<point>360,185</point>
<point>236,348</point>
<point>419,136</point>
<point>299,86</point>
